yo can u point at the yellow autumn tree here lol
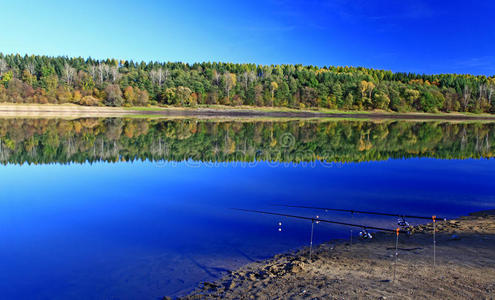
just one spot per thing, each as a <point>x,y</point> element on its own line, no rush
<point>273,88</point>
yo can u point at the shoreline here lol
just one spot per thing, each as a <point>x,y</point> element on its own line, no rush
<point>465,267</point>
<point>72,110</point>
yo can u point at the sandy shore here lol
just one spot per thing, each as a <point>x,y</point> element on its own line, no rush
<point>72,110</point>
<point>465,268</point>
<point>52,110</point>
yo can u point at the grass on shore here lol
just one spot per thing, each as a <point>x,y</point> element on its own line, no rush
<point>263,109</point>
<point>310,110</point>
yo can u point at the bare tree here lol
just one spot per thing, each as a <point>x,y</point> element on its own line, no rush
<point>252,76</point>
<point>230,82</point>
<point>154,76</point>
<point>102,70</point>
<point>466,94</point>
<point>30,67</point>
<point>3,66</point>
<point>92,71</point>
<point>68,73</point>
<point>482,88</point>
<point>157,76</point>
<point>245,79</point>
<point>216,77</point>
<point>114,72</point>
<point>166,73</point>
<point>160,76</point>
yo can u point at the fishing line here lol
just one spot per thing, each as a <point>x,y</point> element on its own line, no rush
<point>361,212</point>
<point>318,220</point>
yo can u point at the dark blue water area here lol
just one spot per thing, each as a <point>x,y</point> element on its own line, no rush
<point>143,230</point>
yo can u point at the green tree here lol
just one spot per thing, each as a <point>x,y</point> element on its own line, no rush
<point>337,93</point>
<point>183,95</point>
<point>381,100</point>
<point>273,88</point>
<point>348,101</point>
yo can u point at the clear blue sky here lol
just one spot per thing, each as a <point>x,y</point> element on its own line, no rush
<point>407,35</point>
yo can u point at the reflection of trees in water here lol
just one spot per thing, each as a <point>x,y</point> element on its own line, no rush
<point>113,139</point>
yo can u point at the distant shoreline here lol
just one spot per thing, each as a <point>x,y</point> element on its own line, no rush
<point>64,110</point>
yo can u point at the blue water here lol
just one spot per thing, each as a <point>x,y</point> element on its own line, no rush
<point>145,230</point>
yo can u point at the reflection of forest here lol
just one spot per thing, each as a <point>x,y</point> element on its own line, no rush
<point>112,139</point>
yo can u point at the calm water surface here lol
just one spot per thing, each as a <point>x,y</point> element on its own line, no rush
<point>127,209</point>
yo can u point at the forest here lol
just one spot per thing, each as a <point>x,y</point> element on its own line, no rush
<point>43,141</point>
<point>111,82</point>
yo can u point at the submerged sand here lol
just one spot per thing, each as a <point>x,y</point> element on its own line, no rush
<point>464,269</point>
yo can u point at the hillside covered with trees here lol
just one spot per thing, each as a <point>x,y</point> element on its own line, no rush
<point>42,79</point>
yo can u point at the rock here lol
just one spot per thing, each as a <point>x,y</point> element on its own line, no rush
<point>252,277</point>
<point>295,267</point>
<point>241,274</point>
<point>209,285</point>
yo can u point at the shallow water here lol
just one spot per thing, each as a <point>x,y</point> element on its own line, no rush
<point>79,225</point>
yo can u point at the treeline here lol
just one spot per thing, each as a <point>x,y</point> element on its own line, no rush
<point>42,79</point>
<point>42,141</point>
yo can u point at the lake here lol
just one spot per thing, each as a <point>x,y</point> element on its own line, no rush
<point>115,208</point>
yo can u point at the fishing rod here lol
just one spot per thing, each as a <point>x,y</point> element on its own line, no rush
<point>364,233</point>
<point>403,224</point>
<point>365,212</point>
<point>319,220</point>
